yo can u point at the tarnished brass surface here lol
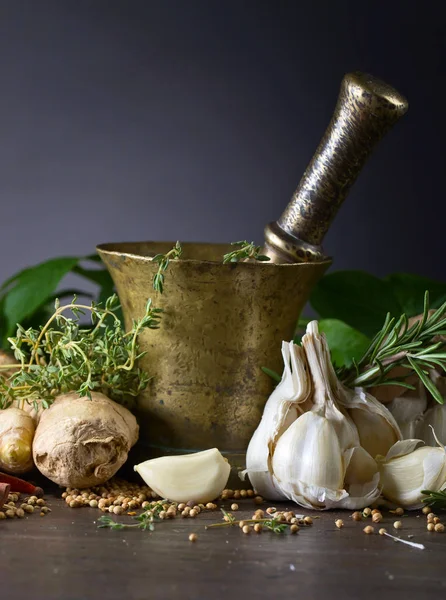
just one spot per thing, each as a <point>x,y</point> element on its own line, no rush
<point>366,109</point>
<point>221,324</point>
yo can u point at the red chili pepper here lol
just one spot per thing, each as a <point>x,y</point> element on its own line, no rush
<point>4,491</point>
<point>19,485</point>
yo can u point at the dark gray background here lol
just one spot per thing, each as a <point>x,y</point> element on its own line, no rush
<point>194,120</point>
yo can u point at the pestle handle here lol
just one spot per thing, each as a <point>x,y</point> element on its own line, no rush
<point>366,109</point>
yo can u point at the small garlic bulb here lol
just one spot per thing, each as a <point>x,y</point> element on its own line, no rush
<point>407,470</point>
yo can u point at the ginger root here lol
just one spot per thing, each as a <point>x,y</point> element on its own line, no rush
<point>80,442</point>
<point>16,438</point>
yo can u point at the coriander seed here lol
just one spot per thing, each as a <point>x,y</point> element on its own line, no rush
<point>382,531</point>
<point>368,530</point>
<point>399,511</point>
<point>357,516</point>
<point>439,527</point>
<point>258,500</point>
<point>258,528</point>
<point>193,537</point>
<point>246,529</point>
<point>377,518</point>
<point>430,527</point>
<point>234,506</point>
<point>339,523</point>
<point>294,528</point>
<point>426,510</point>
<point>398,525</point>
<point>308,521</point>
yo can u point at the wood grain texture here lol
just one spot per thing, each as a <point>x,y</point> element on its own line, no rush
<point>64,556</point>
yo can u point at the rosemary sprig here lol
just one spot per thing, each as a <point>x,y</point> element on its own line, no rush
<point>436,500</point>
<point>163,262</point>
<point>414,348</point>
<point>145,521</point>
<point>61,356</point>
<point>246,250</point>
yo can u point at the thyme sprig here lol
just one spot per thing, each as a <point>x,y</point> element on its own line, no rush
<point>62,356</point>
<point>163,262</point>
<point>418,349</point>
<point>436,500</point>
<point>246,250</point>
<point>145,521</point>
<point>273,524</point>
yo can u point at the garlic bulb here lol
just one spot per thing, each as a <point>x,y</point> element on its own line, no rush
<point>281,409</point>
<point>377,428</point>
<point>313,458</point>
<point>407,470</point>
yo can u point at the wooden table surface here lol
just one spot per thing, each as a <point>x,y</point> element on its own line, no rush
<point>65,556</point>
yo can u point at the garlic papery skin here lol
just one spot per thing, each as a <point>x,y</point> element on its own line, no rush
<point>200,477</point>
<point>407,470</point>
<point>408,410</point>
<point>282,408</point>
<point>433,420</point>
<point>377,428</point>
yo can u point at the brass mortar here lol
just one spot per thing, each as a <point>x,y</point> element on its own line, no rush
<point>220,325</point>
<point>223,322</point>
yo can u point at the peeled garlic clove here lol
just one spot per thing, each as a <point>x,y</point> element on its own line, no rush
<point>377,428</point>
<point>307,462</point>
<point>403,476</point>
<point>281,409</point>
<point>200,477</point>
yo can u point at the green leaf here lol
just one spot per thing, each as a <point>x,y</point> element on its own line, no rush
<point>346,344</point>
<point>357,298</point>
<point>409,290</point>
<point>31,288</point>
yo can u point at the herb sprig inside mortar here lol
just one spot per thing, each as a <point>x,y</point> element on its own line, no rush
<point>62,356</point>
<point>246,251</point>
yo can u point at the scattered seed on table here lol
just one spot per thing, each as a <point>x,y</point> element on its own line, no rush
<point>398,525</point>
<point>382,531</point>
<point>399,511</point>
<point>294,528</point>
<point>234,506</point>
<point>430,527</point>
<point>439,527</point>
<point>367,512</point>
<point>368,530</point>
<point>339,523</point>
<point>308,521</point>
<point>246,529</point>
<point>357,516</point>
<point>193,537</point>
